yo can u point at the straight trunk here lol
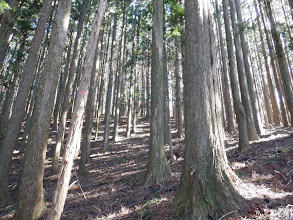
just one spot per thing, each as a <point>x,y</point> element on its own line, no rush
<point>110,88</point>
<point>207,187</point>
<point>89,113</point>
<point>226,89</point>
<point>281,61</point>
<point>252,132</point>
<point>178,91</point>
<point>68,92</point>
<point>120,73</point>
<point>158,169</point>
<point>31,202</point>
<point>274,69</point>
<point>239,109</point>
<point>249,76</point>
<point>18,113</point>
<point>76,124</point>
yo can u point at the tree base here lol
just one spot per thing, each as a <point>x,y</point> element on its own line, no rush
<point>208,200</point>
<point>156,177</point>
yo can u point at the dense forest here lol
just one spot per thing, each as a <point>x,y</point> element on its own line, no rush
<point>137,109</point>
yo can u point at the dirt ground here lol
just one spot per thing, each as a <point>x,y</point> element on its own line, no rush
<point>112,188</point>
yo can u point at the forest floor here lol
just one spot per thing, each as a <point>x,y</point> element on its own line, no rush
<point>112,187</point>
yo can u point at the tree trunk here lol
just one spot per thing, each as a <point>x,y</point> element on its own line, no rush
<point>275,109</point>
<point>249,76</point>
<point>18,113</point>
<point>62,84</point>
<point>110,88</point>
<point>178,90</point>
<point>226,89</point>
<point>157,168</point>
<point>281,60</point>
<point>148,89</point>
<point>274,68</point>
<point>31,203</point>
<point>131,80</point>
<point>75,126</point>
<point>102,84</point>
<point>68,92</point>
<point>239,109</point>
<point>207,187</point>
<point>120,73</point>
<point>245,96</point>
<point>89,112</point>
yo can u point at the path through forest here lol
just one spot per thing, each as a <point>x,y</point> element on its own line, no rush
<point>112,187</point>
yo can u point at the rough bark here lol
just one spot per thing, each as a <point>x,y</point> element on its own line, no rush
<point>167,131</point>
<point>239,109</point>
<point>120,73</point>
<point>226,89</point>
<point>89,114</point>
<point>274,69</point>
<point>207,187</point>
<point>77,116</point>
<point>245,96</point>
<point>249,76</point>
<point>68,92</point>
<point>62,84</point>
<point>285,75</point>
<point>102,84</point>
<point>148,89</point>
<point>131,81</point>
<point>157,168</point>
<point>275,109</point>
<point>178,91</point>
<point>31,203</point>
<point>110,88</point>
<point>18,113</point>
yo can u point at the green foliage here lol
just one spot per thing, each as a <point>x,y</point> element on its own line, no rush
<point>4,6</point>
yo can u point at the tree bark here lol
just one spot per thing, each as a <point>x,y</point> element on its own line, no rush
<point>207,187</point>
<point>249,76</point>
<point>281,61</point>
<point>78,111</point>
<point>157,168</point>
<point>62,84</point>
<point>245,96</point>
<point>110,88</point>
<point>239,109</point>
<point>18,113</point>
<point>89,113</point>
<point>226,89</point>
<point>274,68</point>
<point>31,203</point>
<point>68,91</point>
<point>120,73</point>
<point>178,91</point>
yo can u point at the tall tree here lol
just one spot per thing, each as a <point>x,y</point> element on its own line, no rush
<point>207,189</point>
<point>68,90</point>
<point>31,203</point>
<point>239,109</point>
<point>157,168</point>
<point>110,88</point>
<point>247,68</point>
<point>245,96</point>
<point>77,117</point>
<point>226,89</point>
<point>285,75</point>
<point>18,113</point>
